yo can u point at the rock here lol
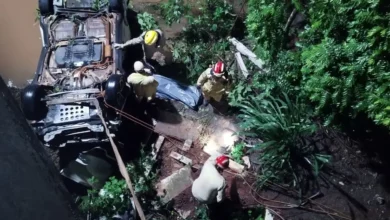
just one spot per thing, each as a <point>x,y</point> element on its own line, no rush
<point>197,166</point>
<point>183,214</point>
<point>379,199</point>
<point>174,184</point>
<point>268,215</point>
<point>236,167</point>
<point>187,145</point>
<point>247,161</point>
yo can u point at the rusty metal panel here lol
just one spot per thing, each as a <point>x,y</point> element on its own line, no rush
<point>95,27</point>
<point>64,30</point>
<point>81,3</point>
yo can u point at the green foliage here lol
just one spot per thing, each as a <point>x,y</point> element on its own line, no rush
<point>340,63</point>
<point>284,126</point>
<point>173,10</point>
<point>37,15</point>
<point>140,173</point>
<point>251,214</point>
<point>147,21</point>
<point>203,40</point>
<point>130,4</point>
<point>265,23</point>
<point>198,57</point>
<point>99,4</point>
<point>238,152</point>
<point>113,198</point>
<point>201,212</point>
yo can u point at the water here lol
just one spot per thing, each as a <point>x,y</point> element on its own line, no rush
<point>20,43</point>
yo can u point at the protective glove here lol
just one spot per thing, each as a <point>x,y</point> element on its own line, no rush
<point>148,71</point>
<point>118,46</point>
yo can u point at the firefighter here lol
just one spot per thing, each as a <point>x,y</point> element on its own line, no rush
<point>210,186</point>
<point>142,82</point>
<point>153,43</point>
<point>213,83</point>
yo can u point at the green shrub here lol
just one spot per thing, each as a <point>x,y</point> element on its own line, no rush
<point>99,4</point>
<point>238,152</point>
<point>201,212</point>
<point>204,39</point>
<point>147,21</point>
<point>340,64</point>
<point>141,173</point>
<point>265,22</point>
<point>284,126</point>
<point>174,10</point>
<point>113,198</point>
<point>198,57</point>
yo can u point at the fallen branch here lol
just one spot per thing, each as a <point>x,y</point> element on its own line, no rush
<point>290,20</point>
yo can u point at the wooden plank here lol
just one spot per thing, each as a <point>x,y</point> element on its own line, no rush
<point>181,158</point>
<point>248,53</point>
<point>241,64</point>
<point>187,145</point>
<point>197,166</point>
<point>242,48</point>
<point>157,146</point>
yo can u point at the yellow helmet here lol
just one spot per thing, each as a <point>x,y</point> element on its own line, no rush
<point>151,37</point>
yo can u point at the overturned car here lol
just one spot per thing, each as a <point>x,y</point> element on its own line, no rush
<point>77,66</point>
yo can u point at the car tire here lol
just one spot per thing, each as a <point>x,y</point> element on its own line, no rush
<point>45,7</point>
<point>116,6</point>
<point>114,90</point>
<point>32,105</point>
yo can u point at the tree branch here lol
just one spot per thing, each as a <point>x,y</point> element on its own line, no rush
<point>290,20</point>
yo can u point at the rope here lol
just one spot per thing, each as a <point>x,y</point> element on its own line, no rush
<point>122,167</point>
<point>145,125</point>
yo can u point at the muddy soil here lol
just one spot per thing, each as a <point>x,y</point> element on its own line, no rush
<point>350,187</point>
<point>238,197</point>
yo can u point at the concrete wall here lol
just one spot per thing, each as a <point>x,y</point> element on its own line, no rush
<point>30,186</point>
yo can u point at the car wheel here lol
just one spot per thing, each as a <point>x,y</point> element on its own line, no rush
<point>45,7</point>
<point>116,6</point>
<point>114,90</point>
<point>32,105</point>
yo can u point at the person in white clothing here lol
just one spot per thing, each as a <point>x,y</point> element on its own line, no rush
<point>210,186</point>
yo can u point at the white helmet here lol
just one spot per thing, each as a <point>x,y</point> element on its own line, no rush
<point>138,66</point>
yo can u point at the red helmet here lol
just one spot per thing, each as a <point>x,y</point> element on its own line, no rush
<point>219,68</point>
<point>222,161</point>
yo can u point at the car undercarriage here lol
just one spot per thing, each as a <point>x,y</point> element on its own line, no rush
<point>77,66</point>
